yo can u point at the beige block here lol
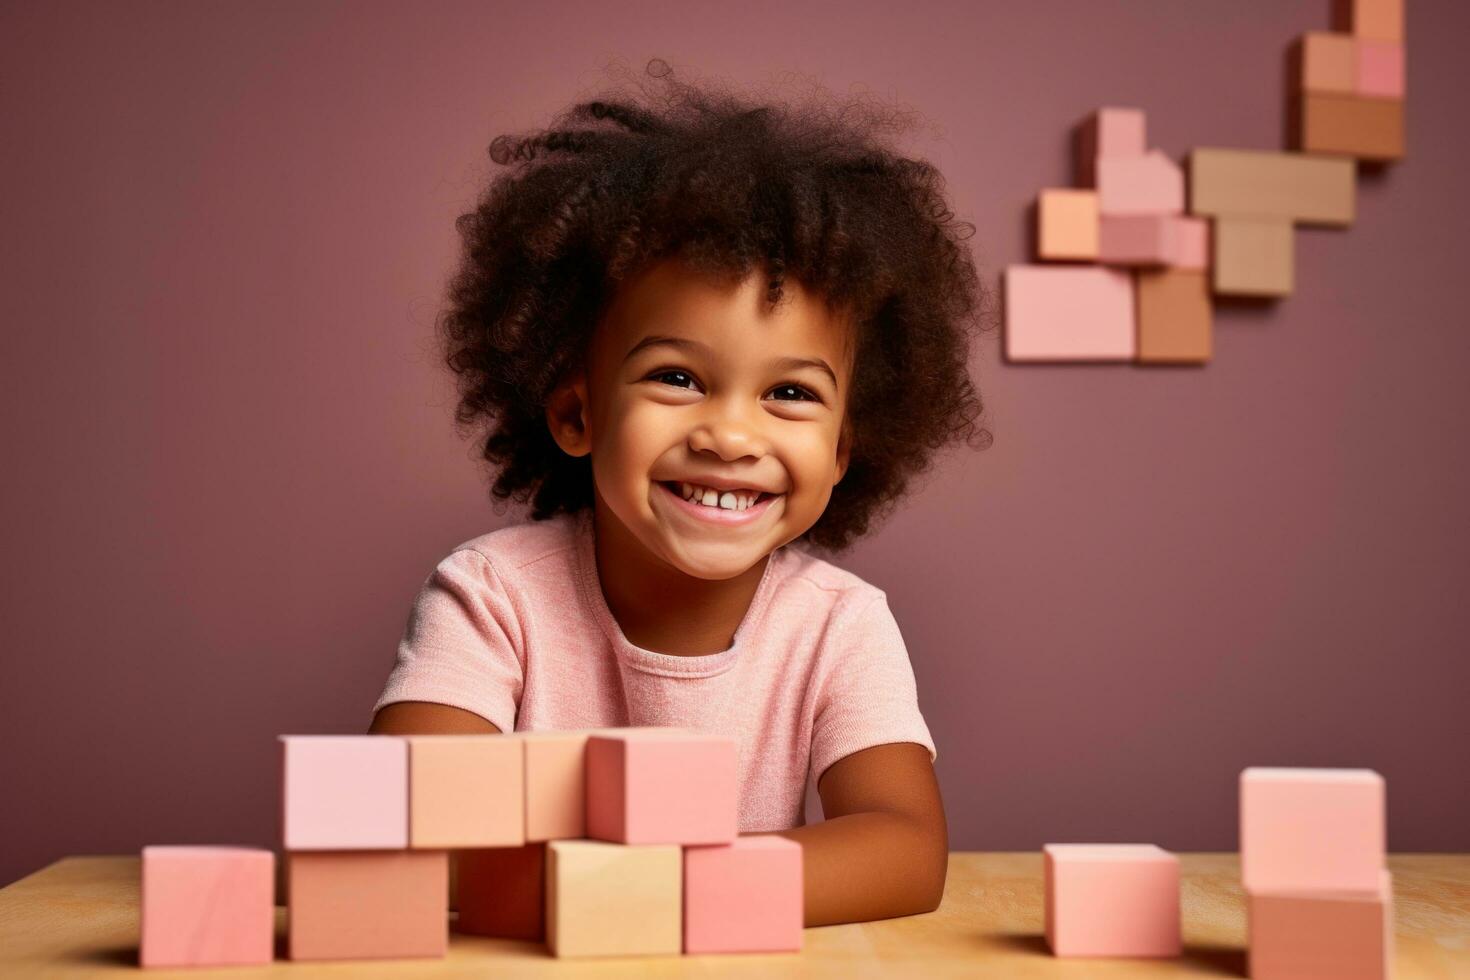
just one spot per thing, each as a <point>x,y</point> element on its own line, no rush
<point>1253,256</point>
<point>1262,183</point>
<point>1174,316</point>
<point>1379,19</point>
<point>1067,224</point>
<point>465,791</point>
<point>1362,126</point>
<point>607,899</point>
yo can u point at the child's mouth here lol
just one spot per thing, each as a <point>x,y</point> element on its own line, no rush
<point>672,490</point>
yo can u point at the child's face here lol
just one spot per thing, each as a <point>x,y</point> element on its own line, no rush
<point>721,405</point>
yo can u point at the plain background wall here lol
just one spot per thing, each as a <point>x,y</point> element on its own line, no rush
<point>230,463</point>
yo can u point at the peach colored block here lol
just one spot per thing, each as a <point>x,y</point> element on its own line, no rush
<point>1311,829</point>
<point>1068,313</point>
<point>1192,243</point>
<point>556,776</point>
<point>1380,69</point>
<point>1381,20</point>
<point>207,906</point>
<point>1067,224</point>
<point>1147,184</point>
<point>465,791</point>
<point>1111,131</point>
<point>351,905</point>
<point>613,899</point>
<point>1138,239</point>
<point>501,892</point>
<point>1344,935</point>
<point>1111,900</point>
<point>653,786</point>
<point>743,897</point>
<point>1328,62</point>
<point>344,792</point>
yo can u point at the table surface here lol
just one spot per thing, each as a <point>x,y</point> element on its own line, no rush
<point>79,917</point>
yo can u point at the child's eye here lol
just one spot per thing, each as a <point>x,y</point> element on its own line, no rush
<point>666,374</point>
<point>799,389</point>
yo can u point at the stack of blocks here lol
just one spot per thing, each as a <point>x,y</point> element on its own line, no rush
<point>1319,898</point>
<point>602,842</point>
<point>1348,84</point>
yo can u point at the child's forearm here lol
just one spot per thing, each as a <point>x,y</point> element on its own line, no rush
<point>872,865</point>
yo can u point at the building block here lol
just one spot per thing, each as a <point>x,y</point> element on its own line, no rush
<point>1111,131</point>
<point>207,906</point>
<point>1138,239</point>
<point>1147,184</point>
<point>661,786</point>
<point>613,899</point>
<point>1326,62</point>
<point>1262,183</point>
<point>743,897</point>
<point>1358,126</point>
<point>501,891</point>
<point>1345,935</point>
<point>1380,69</point>
<point>1192,241</point>
<point>1252,257</point>
<point>1067,224</point>
<point>1382,20</point>
<point>1311,829</point>
<point>1175,323</point>
<point>1111,900</point>
<point>556,776</point>
<point>466,791</point>
<point>1068,313</point>
<point>344,792</point>
<point>347,905</point>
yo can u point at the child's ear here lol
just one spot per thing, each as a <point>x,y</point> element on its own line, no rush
<point>844,451</point>
<point>567,415</point>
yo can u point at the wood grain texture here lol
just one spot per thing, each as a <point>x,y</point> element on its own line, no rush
<point>79,917</point>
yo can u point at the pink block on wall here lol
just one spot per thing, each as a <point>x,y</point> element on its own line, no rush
<point>1069,313</point>
<point>344,792</point>
<point>1137,239</point>
<point>1112,131</point>
<point>1311,829</point>
<point>1191,243</point>
<point>1380,68</point>
<point>1147,184</point>
<point>743,897</point>
<point>207,906</point>
<point>1344,935</point>
<point>661,786</point>
<point>1111,900</point>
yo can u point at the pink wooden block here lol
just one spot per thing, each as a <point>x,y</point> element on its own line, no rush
<point>1344,935</point>
<point>1380,68</point>
<point>207,906</point>
<point>653,786</point>
<point>1311,829</point>
<point>743,897</point>
<point>1069,313</point>
<point>1111,900</point>
<point>1137,239</point>
<point>1147,184</point>
<point>344,792</point>
<point>1111,131</point>
<point>1191,243</point>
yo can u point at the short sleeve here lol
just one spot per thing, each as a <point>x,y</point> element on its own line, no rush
<point>459,646</point>
<point>867,695</point>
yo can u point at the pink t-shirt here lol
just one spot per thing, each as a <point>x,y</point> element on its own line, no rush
<point>513,626</point>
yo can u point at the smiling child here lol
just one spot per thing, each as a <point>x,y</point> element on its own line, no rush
<point>705,337</point>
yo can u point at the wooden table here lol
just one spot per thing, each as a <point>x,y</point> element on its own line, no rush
<point>79,917</point>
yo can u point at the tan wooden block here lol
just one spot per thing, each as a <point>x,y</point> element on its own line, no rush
<point>1253,256</point>
<point>607,899</point>
<point>1325,62</point>
<point>1174,316</point>
<point>350,905</point>
<point>1067,225</point>
<point>465,791</point>
<point>1380,19</point>
<point>1360,126</point>
<point>1295,187</point>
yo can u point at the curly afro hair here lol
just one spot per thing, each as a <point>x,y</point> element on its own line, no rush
<point>732,187</point>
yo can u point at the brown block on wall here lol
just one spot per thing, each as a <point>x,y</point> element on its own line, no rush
<point>501,892</point>
<point>352,905</point>
<point>1380,19</point>
<point>1253,256</point>
<point>1291,186</point>
<point>1174,319</point>
<point>1356,125</point>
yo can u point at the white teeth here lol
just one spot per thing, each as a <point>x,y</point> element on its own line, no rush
<point>710,497</point>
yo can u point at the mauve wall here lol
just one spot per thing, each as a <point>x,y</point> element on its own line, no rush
<point>230,462</point>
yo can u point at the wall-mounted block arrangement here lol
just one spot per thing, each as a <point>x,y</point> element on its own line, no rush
<point>355,905</point>
<point>1381,20</point>
<point>1326,62</point>
<point>661,786</point>
<point>465,791</point>
<point>1067,225</point>
<point>1345,935</point>
<point>1380,69</point>
<point>1146,184</point>
<point>1111,131</point>
<point>500,891</point>
<point>1175,325</point>
<point>1360,126</point>
<point>1253,257</point>
<point>1312,829</point>
<point>1261,183</point>
<point>1068,313</point>
<point>1111,900</point>
<point>556,777</point>
<point>344,792</point>
<point>613,899</point>
<point>207,906</point>
<point>743,897</point>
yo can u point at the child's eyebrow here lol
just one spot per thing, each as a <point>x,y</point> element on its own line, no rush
<point>688,343</point>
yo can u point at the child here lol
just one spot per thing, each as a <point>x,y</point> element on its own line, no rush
<point>703,340</point>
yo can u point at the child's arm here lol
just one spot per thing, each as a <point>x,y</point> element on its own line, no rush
<point>884,848</point>
<point>428,718</point>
